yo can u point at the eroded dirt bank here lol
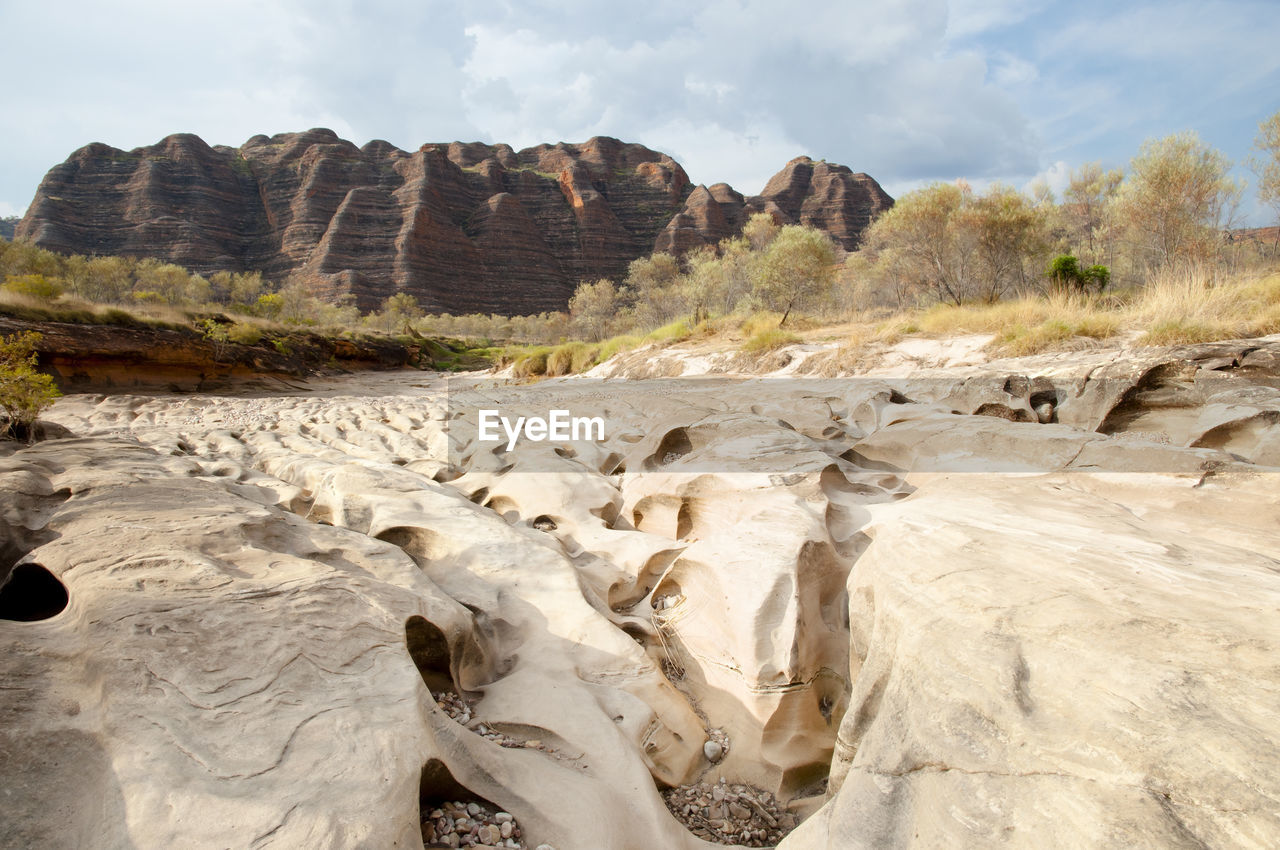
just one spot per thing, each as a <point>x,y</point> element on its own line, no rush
<point>1030,603</point>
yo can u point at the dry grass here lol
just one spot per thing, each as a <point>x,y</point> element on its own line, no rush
<point>1184,306</point>
<point>768,340</point>
<point>1192,306</point>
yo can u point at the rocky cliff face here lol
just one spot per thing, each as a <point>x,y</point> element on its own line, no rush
<point>463,227</point>
<point>818,194</point>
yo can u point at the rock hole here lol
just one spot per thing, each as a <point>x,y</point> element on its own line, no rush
<point>684,521</point>
<point>31,593</point>
<point>608,513</point>
<point>733,814</point>
<point>429,650</point>
<point>1003,411</point>
<point>480,495</point>
<point>612,464</point>
<point>896,397</point>
<point>1043,397</point>
<point>675,445</point>
<point>544,523</point>
<point>452,815</point>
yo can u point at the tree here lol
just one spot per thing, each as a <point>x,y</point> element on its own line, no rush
<point>1087,210</point>
<point>24,391</point>
<point>156,280</point>
<point>1267,165</point>
<point>1177,200</point>
<point>760,230</point>
<point>1065,273</point>
<point>653,284</point>
<point>920,241</point>
<point>107,279</point>
<point>593,308</point>
<point>1012,239</point>
<point>35,286</point>
<point>797,268</point>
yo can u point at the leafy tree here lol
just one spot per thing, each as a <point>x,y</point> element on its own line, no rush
<point>652,284</point>
<point>245,288</point>
<point>24,391</point>
<point>270,305</point>
<point>593,308</point>
<point>920,241</point>
<point>1012,233</point>
<point>1267,165</point>
<point>165,281</point>
<point>796,269</point>
<point>398,312</point>
<point>106,280</point>
<point>652,272</point>
<point>1065,273</point>
<point>760,230</point>
<point>21,258</point>
<point>1177,200</point>
<point>1087,210</point>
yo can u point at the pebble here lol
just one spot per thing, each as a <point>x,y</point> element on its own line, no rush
<point>713,751</point>
<point>731,813</point>
<point>458,708</point>
<point>470,824</point>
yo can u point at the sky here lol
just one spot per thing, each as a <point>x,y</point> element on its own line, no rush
<point>910,91</point>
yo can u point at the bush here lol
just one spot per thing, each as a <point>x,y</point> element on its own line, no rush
<point>34,286</point>
<point>244,334</point>
<point>24,392</point>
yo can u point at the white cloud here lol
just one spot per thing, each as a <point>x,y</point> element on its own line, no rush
<point>910,92</point>
<point>1056,177</point>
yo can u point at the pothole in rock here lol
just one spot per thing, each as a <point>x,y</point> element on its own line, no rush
<point>456,823</point>
<point>460,710</point>
<point>30,593</point>
<point>735,815</point>
<point>451,815</point>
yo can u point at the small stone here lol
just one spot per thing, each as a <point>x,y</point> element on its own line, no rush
<point>717,793</point>
<point>503,817</point>
<point>506,829</point>
<point>713,751</point>
<point>1044,412</point>
<point>544,847</point>
<point>739,811</point>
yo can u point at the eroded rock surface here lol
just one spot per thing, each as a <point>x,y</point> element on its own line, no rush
<point>903,611</point>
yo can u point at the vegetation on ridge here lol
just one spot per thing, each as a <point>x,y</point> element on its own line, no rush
<point>1149,254</point>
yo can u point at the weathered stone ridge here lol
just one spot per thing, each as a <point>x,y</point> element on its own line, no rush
<point>463,227</point>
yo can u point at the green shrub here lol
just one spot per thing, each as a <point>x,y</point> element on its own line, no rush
<point>24,392</point>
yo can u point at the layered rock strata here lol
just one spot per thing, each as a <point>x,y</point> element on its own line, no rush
<point>462,227</point>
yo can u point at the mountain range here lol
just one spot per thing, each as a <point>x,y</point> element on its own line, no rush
<point>463,227</point>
